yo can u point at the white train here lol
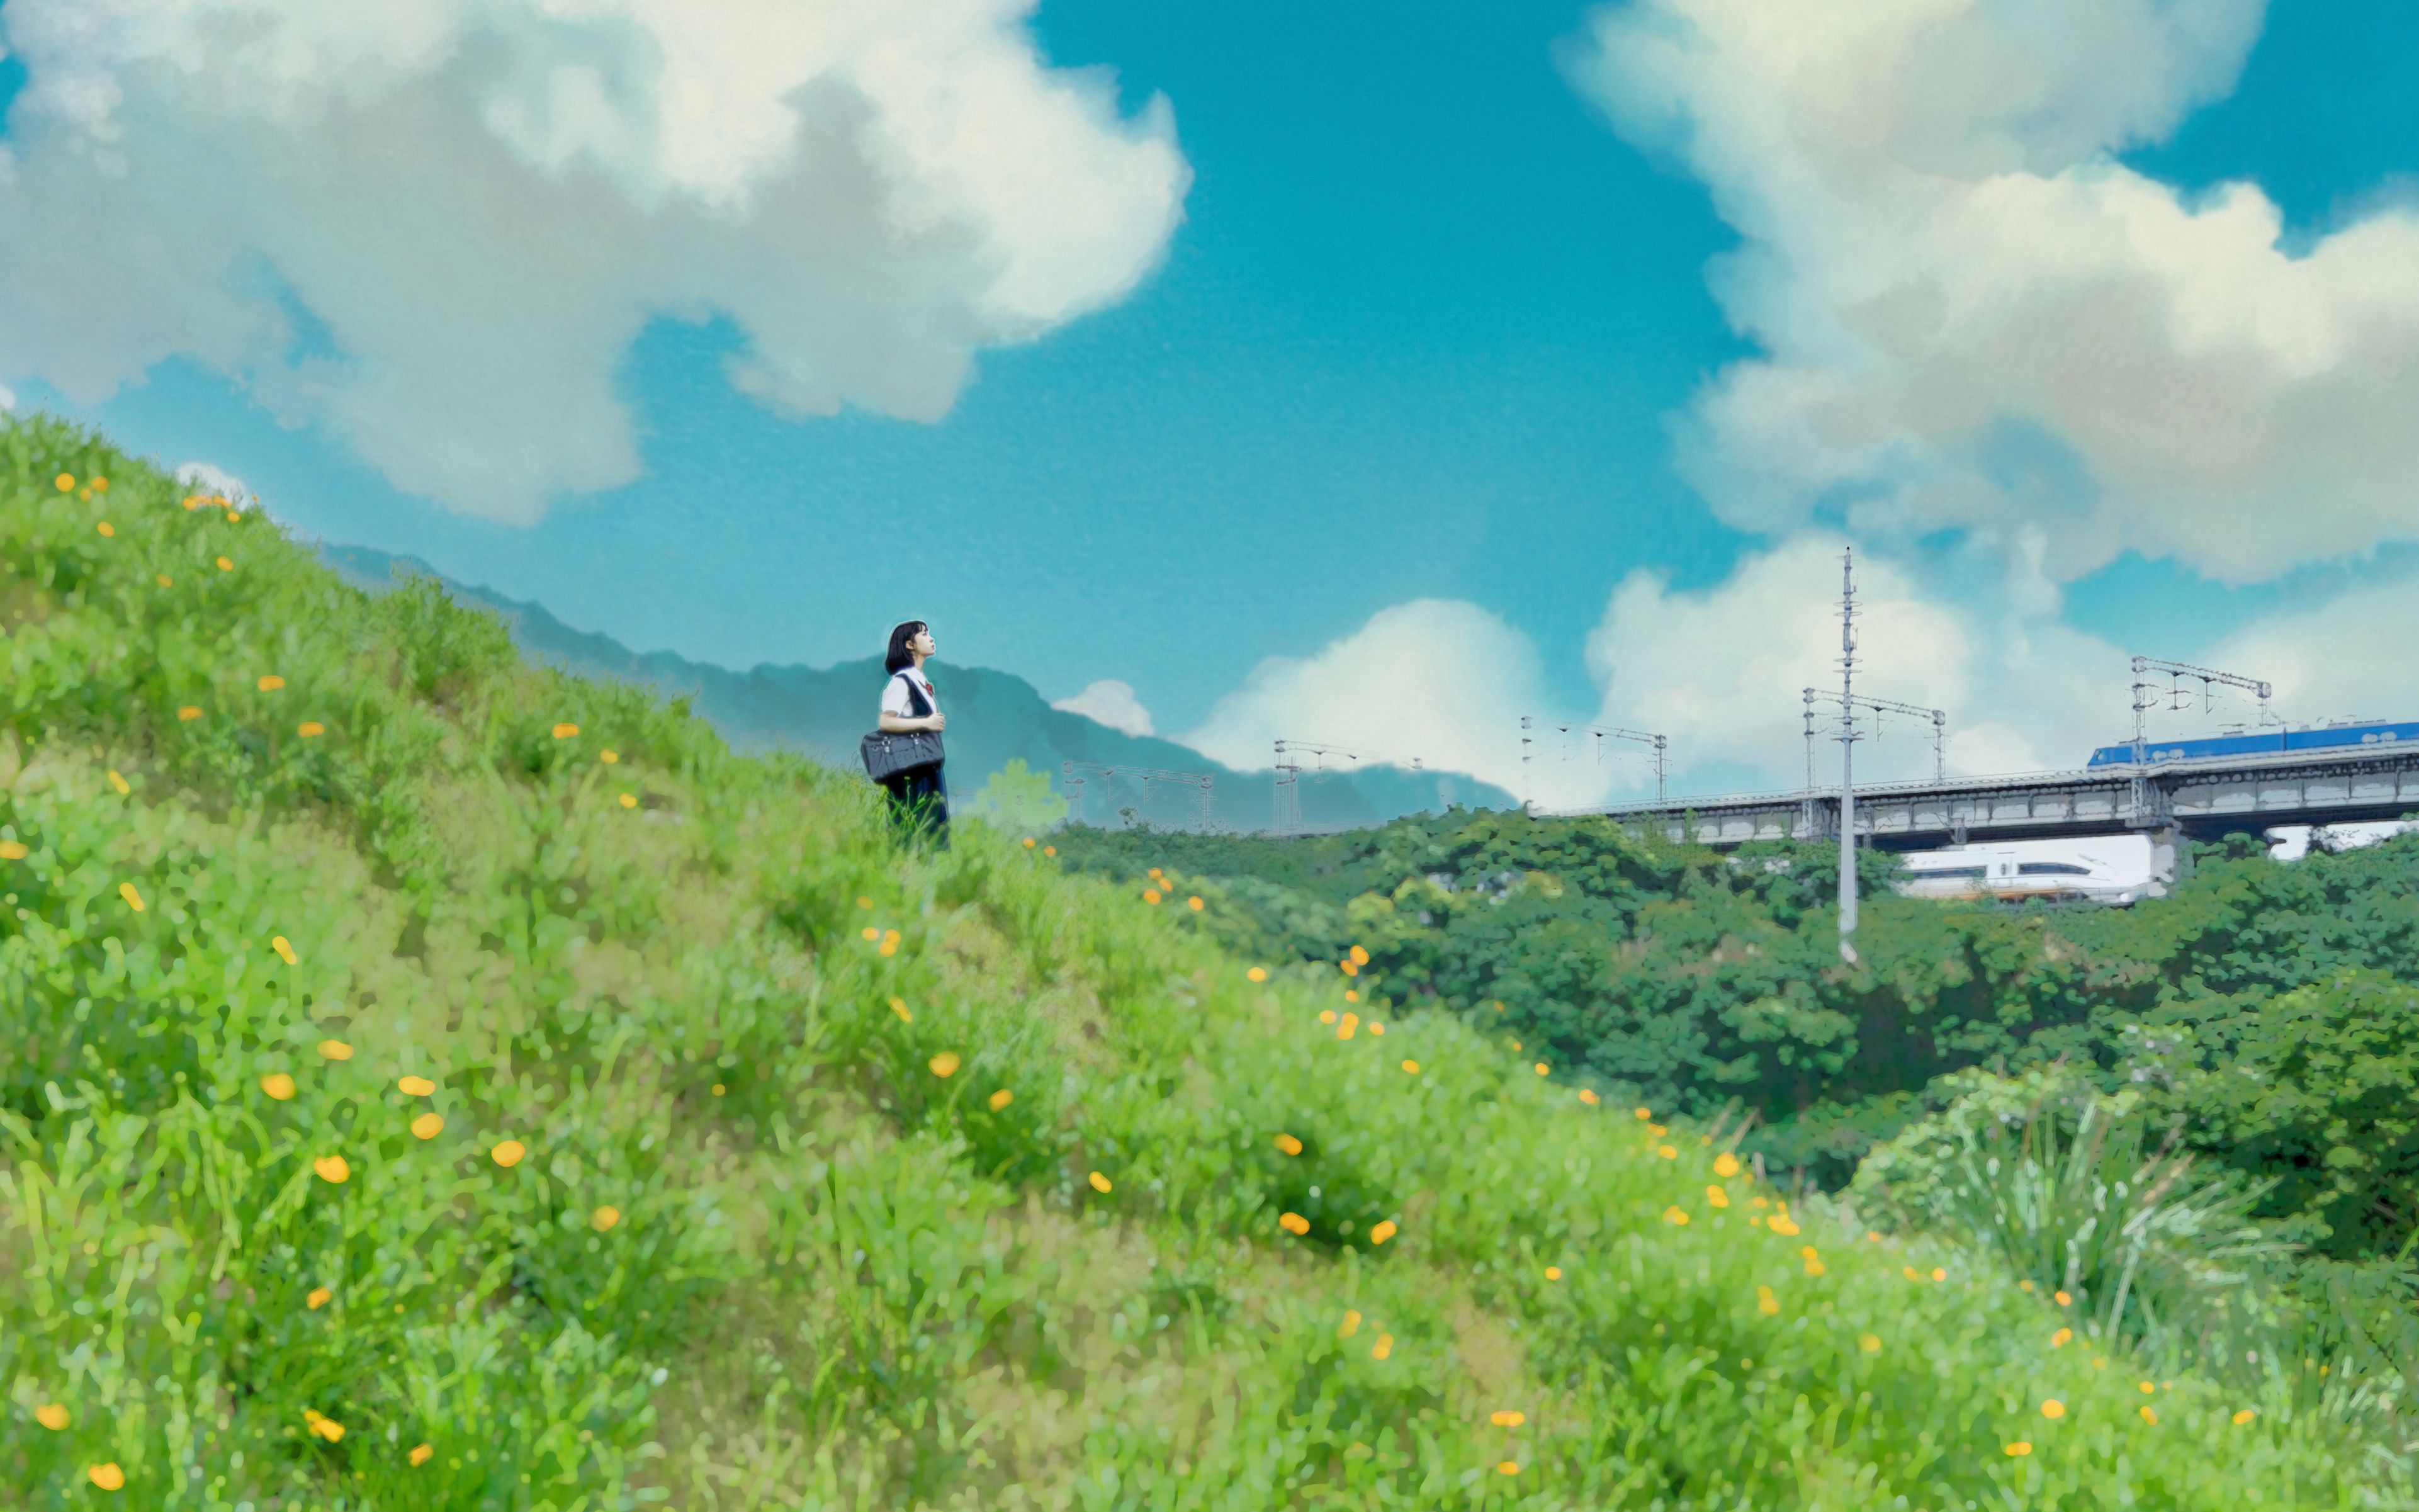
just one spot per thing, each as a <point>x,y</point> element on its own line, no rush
<point>2109,869</point>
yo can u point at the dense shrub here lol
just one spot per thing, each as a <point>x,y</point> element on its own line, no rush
<point>1693,980</point>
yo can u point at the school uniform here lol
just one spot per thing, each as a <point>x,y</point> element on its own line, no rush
<point>918,799</point>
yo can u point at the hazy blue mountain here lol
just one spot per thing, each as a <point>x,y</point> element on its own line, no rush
<point>995,718</point>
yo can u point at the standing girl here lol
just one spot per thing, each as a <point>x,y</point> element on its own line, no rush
<point>920,799</point>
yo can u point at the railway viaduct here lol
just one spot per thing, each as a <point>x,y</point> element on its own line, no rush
<point>2172,801</point>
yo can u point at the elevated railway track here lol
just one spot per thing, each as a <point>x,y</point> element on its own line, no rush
<point>2171,801</point>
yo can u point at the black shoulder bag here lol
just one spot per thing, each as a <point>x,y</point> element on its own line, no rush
<point>894,753</point>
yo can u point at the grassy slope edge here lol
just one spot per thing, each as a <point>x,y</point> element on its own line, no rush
<point>771,1237</point>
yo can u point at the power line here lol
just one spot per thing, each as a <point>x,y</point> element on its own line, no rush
<point>1075,786</point>
<point>1936,717</point>
<point>1659,744</point>
<point>2148,697</point>
<point>1288,792</point>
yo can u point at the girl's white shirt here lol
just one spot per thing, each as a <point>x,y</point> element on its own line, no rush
<point>894,694</point>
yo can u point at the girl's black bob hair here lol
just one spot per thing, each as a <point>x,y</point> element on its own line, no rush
<point>898,658</point>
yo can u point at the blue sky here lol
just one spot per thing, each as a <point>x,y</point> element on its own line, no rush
<point>1427,332</point>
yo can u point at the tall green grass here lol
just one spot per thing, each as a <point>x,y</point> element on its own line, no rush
<point>713,1197</point>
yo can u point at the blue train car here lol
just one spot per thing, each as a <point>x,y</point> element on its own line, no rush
<point>2259,742</point>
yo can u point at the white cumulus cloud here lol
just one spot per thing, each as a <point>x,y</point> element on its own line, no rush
<point>2340,659</point>
<point>216,479</point>
<point>1722,672</point>
<point>1971,315</point>
<point>434,226</point>
<point>1439,681</point>
<point>1111,703</point>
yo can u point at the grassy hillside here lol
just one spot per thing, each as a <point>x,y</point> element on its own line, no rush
<point>428,1081</point>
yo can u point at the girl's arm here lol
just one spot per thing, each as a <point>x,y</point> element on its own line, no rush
<point>899,724</point>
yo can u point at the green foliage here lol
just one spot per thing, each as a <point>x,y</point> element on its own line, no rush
<point>761,1163</point>
<point>1019,799</point>
<point>1690,979</point>
<point>2315,1090</point>
<point>2088,1200</point>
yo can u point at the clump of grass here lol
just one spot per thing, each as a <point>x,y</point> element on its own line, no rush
<point>505,1096</point>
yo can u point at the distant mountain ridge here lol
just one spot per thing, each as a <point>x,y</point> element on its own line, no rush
<point>995,717</point>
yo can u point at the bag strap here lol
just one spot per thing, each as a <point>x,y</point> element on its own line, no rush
<point>919,706</point>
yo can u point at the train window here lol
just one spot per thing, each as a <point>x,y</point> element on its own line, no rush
<point>1956,872</point>
<point>2054,869</point>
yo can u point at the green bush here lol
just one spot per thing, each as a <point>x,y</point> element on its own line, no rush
<point>1692,980</point>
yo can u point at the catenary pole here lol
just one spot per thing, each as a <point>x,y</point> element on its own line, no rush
<point>1847,754</point>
